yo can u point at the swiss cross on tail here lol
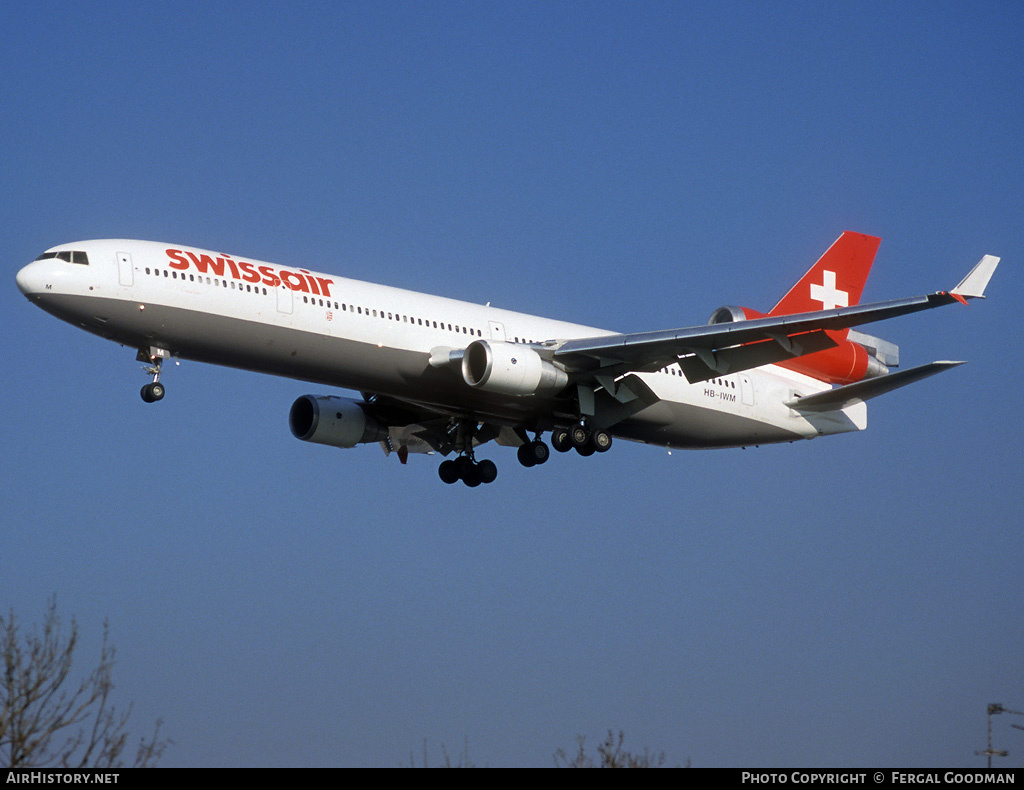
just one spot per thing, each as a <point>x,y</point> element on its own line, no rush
<point>836,280</point>
<point>827,293</point>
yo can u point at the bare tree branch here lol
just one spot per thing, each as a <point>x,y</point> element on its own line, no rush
<point>46,720</point>
<point>610,754</point>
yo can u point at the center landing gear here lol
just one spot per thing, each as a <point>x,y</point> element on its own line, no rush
<point>533,453</point>
<point>153,391</point>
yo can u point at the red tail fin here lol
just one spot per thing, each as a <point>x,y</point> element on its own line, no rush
<point>836,280</point>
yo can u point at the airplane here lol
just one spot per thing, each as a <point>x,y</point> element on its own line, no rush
<point>442,376</point>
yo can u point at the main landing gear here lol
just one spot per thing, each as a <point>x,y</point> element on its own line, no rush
<point>581,438</point>
<point>468,470</point>
<point>153,391</point>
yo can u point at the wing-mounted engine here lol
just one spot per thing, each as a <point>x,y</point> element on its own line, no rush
<point>334,421</point>
<point>510,369</point>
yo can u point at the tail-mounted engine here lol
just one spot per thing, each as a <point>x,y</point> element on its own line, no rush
<point>730,313</point>
<point>510,369</point>
<point>338,422</point>
<point>855,356</point>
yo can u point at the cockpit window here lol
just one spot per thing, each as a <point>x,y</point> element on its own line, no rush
<point>71,256</point>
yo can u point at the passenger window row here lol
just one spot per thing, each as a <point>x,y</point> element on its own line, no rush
<point>673,370</point>
<point>201,279</point>
<point>392,316</point>
<point>312,300</point>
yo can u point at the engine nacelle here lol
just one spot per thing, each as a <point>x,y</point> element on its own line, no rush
<point>338,422</point>
<point>731,313</point>
<point>510,369</point>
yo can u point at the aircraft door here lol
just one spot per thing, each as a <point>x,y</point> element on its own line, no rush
<point>125,275</point>
<point>285,299</point>
<point>746,390</point>
<point>497,331</point>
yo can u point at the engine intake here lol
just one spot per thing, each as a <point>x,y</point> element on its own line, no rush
<point>731,313</point>
<point>510,369</point>
<point>334,421</point>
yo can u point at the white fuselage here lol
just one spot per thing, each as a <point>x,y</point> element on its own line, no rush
<point>307,325</point>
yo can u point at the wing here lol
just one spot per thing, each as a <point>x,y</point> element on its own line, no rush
<point>414,427</point>
<point>704,352</point>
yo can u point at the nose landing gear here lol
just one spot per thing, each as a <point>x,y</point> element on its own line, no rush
<point>153,391</point>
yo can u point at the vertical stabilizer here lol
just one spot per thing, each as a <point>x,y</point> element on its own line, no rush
<point>836,280</point>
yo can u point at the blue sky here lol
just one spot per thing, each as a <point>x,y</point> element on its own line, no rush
<point>851,601</point>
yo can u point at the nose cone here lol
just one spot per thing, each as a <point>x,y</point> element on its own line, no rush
<point>25,279</point>
<point>32,278</point>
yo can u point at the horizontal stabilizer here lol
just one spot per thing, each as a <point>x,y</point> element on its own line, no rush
<point>863,390</point>
<point>973,285</point>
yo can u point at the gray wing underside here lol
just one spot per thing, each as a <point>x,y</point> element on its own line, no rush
<point>704,352</point>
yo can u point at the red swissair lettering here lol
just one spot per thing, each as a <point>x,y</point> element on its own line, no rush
<point>301,280</point>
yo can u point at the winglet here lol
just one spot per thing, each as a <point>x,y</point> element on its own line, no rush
<point>973,285</point>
